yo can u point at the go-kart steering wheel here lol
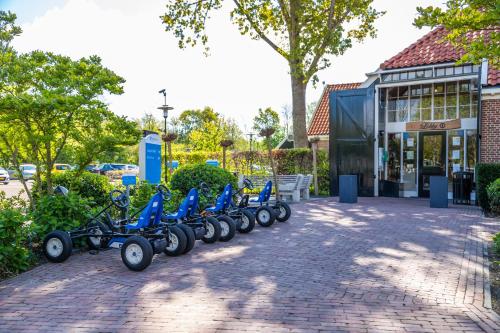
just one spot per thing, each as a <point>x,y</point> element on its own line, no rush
<point>119,199</point>
<point>248,183</point>
<point>165,192</point>
<point>205,189</point>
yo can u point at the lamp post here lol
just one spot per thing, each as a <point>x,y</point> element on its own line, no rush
<point>165,108</point>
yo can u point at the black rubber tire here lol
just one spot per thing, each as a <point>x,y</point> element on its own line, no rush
<point>147,253</point>
<point>231,225</point>
<point>67,246</point>
<point>181,239</point>
<point>92,244</point>
<point>249,224</point>
<point>259,216</point>
<point>283,216</point>
<point>217,230</point>
<point>191,238</point>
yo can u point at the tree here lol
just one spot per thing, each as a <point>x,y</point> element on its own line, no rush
<point>303,32</point>
<point>265,123</point>
<point>463,17</point>
<point>149,122</point>
<point>190,120</point>
<point>48,101</point>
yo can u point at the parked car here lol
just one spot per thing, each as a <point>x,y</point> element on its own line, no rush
<point>28,171</point>
<point>59,167</point>
<point>4,176</point>
<point>92,168</point>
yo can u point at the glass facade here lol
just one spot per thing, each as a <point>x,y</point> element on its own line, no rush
<point>428,102</point>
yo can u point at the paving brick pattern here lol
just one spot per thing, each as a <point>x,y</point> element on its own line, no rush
<point>383,265</point>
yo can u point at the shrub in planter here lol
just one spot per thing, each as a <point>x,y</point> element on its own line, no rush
<point>486,173</point>
<point>88,185</point>
<point>57,212</point>
<point>192,175</point>
<point>14,253</point>
<point>493,191</point>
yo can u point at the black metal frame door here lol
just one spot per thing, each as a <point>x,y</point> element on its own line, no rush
<point>425,171</point>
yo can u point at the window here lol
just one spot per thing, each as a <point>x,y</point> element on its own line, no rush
<point>410,161</point>
<point>439,101</point>
<point>455,154</point>
<point>464,99</point>
<point>451,100</point>
<point>394,158</point>
<point>471,150</point>
<point>415,92</point>
<point>392,98</point>
<point>402,104</point>
<point>426,108</point>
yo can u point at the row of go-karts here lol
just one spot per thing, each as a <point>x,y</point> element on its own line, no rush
<point>150,230</point>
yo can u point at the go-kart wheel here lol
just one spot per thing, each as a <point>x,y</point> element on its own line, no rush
<point>137,253</point>
<point>97,242</point>
<point>57,246</point>
<point>177,242</point>
<point>228,228</point>
<point>213,231</point>
<point>284,212</point>
<point>265,216</point>
<point>190,236</point>
<point>247,222</point>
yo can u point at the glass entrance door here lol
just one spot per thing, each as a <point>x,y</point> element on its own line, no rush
<point>432,159</point>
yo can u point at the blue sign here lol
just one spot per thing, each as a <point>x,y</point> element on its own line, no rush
<point>129,180</point>
<point>214,163</point>
<point>175,164</point>
<point>153,163</point>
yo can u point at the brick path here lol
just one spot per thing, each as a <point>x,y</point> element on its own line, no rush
<point>382,265</point>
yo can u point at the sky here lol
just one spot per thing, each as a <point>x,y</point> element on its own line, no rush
<point>239,77</point>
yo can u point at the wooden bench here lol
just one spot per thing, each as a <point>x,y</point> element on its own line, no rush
<point>289,184</point>
<point>304,186</point>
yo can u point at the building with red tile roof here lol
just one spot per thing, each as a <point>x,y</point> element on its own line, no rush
<point>419,115</point>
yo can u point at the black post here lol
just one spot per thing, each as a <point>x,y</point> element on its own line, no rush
<point>165,144</point>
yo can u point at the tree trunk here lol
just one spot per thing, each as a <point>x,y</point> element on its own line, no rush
<point>170,167</point>
<point>299,111</point>
<point>224,158</point>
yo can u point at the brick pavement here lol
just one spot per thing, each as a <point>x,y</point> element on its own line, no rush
<point>383,265</point>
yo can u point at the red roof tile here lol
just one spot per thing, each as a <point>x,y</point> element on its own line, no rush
<point>432,49</point>
<point>320,124</point>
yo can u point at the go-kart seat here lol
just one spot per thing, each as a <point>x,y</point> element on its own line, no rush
<point>151,215</point>
<point>223,201</point>
<point>187,207</point>
<point>265,194</point>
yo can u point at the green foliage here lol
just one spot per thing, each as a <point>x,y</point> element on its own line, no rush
<point>57,212</point>
<point>14,254</point>
<point>13,202</point>
<point>266,119</point>
<point>493,191</point>
<point>463,17</point>
<point>191,176</point>
<point>93,187</point>
<point>486,173</point>
<point>142,193</point>
<point>496,244</point>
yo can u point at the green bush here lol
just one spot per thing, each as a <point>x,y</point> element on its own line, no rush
<point>494,196</point>
<point>486,173</point>
<point>191,176</point>
<point>14,254</point>
<point>496,244</point>
<point>88,185</point>
<point>57,212</point>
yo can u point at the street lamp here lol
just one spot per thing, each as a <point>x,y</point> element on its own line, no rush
<point>165,108</point>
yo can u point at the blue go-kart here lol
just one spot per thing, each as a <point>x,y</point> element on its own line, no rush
<point>225,210</point>
<point>138,238</point>
<point>195,225</point>
<point>266,211</point>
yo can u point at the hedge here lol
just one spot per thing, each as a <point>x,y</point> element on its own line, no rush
<point>486,173</point>
<point>494,196</point>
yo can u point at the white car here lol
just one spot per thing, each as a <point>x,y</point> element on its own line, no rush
<point>29,170</point>
<point>4,176</point>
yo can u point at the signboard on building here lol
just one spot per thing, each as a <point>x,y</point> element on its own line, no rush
<point>150,159</point>
<point>433,125</point>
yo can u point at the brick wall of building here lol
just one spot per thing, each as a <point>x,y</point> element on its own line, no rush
<point>490,130</point>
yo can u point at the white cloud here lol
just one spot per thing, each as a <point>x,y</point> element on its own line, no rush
<point>240,76</point>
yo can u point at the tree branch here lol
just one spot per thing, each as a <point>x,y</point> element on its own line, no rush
<point>321,50</point>
<point>260,32</point>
